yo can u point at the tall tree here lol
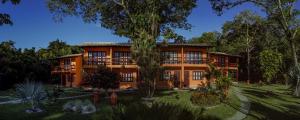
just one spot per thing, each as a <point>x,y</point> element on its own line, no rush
<point>135,19</point>
<point>4,17</point>
<point>242,33</point>
<point>283,12</point>
<point>212,38</point>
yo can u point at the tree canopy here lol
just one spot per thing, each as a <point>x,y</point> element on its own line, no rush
<point>4,17</point>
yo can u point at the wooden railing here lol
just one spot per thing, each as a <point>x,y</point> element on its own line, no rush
<point>98,61</point>
<point>122,61</point>
<point>172,60</point>
<point>129,61</point>
<point>65,68</point>
<point>196,61</point>
<point>233,64</point>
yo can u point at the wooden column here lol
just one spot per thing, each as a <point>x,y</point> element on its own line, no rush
<point>111,57</point>
<point>182,68</point>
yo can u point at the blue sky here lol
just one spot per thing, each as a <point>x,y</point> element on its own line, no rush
<point>34,26</point>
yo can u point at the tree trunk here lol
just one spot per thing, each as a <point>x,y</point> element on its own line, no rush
<point>248,67</point>
<point>294,53</point>
<point>295,62</point>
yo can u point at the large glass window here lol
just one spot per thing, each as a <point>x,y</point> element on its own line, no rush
<point>96,57</point>
<point>198,75</point>
<point>126,77</point>
<point>193,57</point>
<point>121,57</point>
<point>170,57</point>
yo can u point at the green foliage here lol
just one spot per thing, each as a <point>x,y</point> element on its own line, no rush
<point>163,111</point>
<point>223,82</point>
<point>105,78</point>
<point>54,94</point>
<point>32,92</point>
<point>294,77</point>
<point>145,52</point>
<point>5,18</point>
<point>18,65</point>
<point>270,62</point>
<point>205,98</point>
<point>212,38</point>
<point>140,21</point>
<point>127,15</point>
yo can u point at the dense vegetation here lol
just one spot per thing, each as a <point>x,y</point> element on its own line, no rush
<point>18,65</point>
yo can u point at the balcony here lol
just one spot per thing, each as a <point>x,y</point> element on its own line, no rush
<point>195,61</point>
<point>122,61</point>
<point>233,65</point>
<point>65,68</point>
<point>96,62</point>
<point>173,60</point>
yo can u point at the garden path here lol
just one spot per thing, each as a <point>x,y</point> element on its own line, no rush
<point>244,108</point>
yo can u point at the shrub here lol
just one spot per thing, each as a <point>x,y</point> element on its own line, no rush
<point>205,99</point>
<point>105,78</point>
<point>223,83</point>
<point>32,92</point>
<point>105,113</point>
<point>163,111</point>
<point>83,107</point>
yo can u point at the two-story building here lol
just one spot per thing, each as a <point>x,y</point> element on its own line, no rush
<point>185,64</point>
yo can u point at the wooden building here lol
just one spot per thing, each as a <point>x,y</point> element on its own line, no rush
<point>185,64</point>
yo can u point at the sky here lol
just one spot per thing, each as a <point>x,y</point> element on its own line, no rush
<point>34,26</point>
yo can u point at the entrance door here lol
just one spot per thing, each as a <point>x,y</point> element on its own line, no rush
<point>186,78</point>
<point>176,78</point>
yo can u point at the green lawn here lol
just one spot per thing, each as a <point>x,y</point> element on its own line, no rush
<point>54,111</point>
<point>222,111</point>
<point>276,105</point>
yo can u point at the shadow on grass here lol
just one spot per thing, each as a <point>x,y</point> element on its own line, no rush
<point>262,112</point>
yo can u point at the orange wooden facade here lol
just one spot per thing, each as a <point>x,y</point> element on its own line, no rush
<point>69,70</point>
<point>228,64</point>
<point>185,65</point>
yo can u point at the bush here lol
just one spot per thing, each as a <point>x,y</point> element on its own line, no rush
<point>223,83</point>
<point>105,113</point>
<point>163,111</point>
<point>205,99</point>
<point>83,107</point>
<point>32,92</point>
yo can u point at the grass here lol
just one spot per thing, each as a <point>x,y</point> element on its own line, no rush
<point>54,111</point>
<point>273,102</point>
<point>222,111</point>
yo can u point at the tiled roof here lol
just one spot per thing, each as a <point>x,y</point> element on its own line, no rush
<point>85,44</point>
<point>71,55</point>
<point>222,53</point>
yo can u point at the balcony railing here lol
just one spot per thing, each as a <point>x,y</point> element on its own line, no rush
<point>196,61</point>
<point>122,61</point>
<point>172,60</point>
<point>65,68</point>
<point>98,61</point>
<point>233,64</point>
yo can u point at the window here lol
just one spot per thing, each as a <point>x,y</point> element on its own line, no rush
<point>96,57</point>
<point>221,61</point>
<point>166,75</point>
<point>170,57</point>
<point>67,64</point>
<point>121,57</point>
<point>193,57</point>
<point>127,77</point>
<point>232,74</point>
<point>198,75</point>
